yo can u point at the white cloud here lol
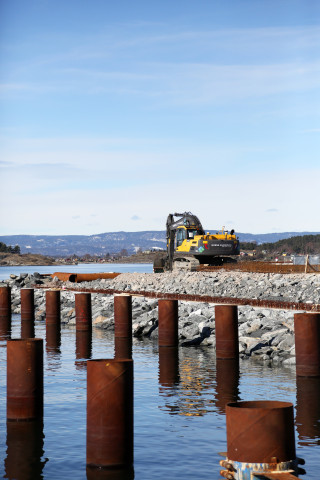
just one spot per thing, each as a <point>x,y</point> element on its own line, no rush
<point>191,83</point>
<point>235,64</point>
<point>151,40</point>
<point>112,161</point>
<point>312,130</point>
<point>215,161</point>
<point>244,199</point>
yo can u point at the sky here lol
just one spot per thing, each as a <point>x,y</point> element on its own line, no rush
<point>115,114</point>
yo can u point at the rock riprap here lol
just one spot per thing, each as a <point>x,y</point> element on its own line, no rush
<point>265,335</point>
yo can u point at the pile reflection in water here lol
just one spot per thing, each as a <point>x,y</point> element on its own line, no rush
<point>53,338</point>
<point>308,410</point>
<point>5,328</point>
<point>106,474</point>
<point>123,347</point>
<point>168,366</point>
<point>194,397</point>
<point>197,393</point>
<point>227,382</point>
<point>27,329</point>
<point>83,347</point>
<point>27,312</point>
<point>24,450</point>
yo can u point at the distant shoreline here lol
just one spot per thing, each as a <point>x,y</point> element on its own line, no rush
<point>31,259</point>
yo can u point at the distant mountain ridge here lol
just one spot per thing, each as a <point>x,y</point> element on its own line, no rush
<point>113,242</point>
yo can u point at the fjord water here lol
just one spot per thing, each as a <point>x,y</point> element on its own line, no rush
<point>179,409</point>
<point>80,268</point>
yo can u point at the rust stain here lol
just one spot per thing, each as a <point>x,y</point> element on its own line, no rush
<point>308,307</point>
<point>275,476</point>
<point>262,267</point>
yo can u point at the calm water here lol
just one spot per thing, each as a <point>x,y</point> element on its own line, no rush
<point>179,410</point>
<point>80,268</point>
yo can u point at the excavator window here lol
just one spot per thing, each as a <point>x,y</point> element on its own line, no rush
<point>181,235</point>
<point>192,233</point>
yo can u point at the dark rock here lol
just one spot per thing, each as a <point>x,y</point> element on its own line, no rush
<point>192,343</point>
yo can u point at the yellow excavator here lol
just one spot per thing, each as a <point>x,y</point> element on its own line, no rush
<point>189,246</point>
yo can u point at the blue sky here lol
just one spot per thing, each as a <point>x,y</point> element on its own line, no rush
<point>114,114</point>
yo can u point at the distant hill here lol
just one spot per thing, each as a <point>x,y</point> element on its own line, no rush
<point>114,242</point>
<point>306,244</point>
<point>100,244</point>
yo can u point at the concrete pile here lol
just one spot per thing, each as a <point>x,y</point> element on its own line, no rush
<point>265,335</point>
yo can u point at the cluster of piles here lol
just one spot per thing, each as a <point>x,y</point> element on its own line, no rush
<point>266,335</point>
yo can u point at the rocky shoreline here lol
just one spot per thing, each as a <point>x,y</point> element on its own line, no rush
<point>265,335</point>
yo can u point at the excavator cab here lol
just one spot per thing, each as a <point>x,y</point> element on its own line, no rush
<point>181,236</point>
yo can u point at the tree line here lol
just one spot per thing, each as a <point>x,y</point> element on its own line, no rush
<point>9,248</point>
<point>302,244</point>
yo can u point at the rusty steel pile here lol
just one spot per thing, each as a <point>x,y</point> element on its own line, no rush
<point>260,435</point>
<point>266,305</point>
<point>82,277</point>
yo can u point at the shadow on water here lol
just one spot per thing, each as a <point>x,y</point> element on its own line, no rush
<point>24,450</point>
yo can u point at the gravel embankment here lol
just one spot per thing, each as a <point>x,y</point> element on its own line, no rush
<point>264,334</point>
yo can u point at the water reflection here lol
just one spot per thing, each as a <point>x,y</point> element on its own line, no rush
<point>53,344</point>
<point>308,410</point>
<point>53,338</point>
<point>27,328</point>
<point>83,348</point>
<point>24,450</point>
<point>123,347</point>
<point>227,382</point>
<point>185,384</point>
<point>109,474</point>
<point>168,366</point>
<point>199,389</point>
<point>5,328</point>
<point>209,391</point>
